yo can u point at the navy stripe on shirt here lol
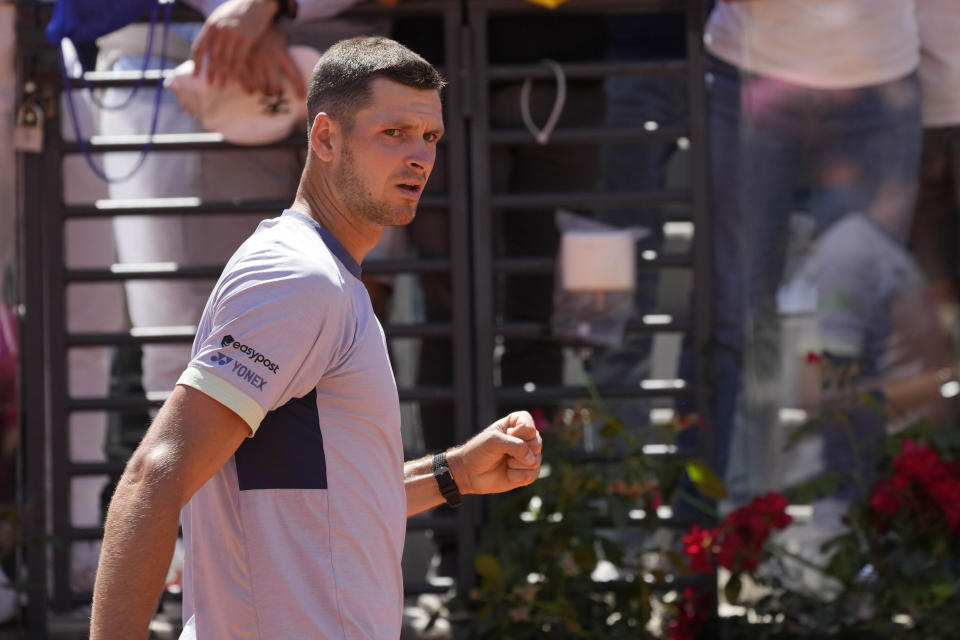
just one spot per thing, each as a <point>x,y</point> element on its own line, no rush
<point>287,450</point>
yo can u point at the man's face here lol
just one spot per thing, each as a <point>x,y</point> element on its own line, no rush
<point>389,152</point>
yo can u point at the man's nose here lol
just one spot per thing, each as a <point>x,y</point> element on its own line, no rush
<point>422,157</point>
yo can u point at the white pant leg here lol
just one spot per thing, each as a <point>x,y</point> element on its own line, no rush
<point>183,239</point>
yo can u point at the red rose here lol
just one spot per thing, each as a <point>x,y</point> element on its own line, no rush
<point>885,498</point>
<point>737,543</point>
<point>696,545</point>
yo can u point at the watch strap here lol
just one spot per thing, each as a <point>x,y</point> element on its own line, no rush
<point>446,483</point>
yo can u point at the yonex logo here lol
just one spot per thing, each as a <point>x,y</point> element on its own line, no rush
<point>245,374</point>
<point>220,359</point>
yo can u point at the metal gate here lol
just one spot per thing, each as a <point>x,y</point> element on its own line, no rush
<point>467,277</point>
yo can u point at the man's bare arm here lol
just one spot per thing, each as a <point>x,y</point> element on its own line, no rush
<point>191,438</point>
<point>502,457</point>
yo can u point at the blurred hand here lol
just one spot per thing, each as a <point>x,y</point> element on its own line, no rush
<point>268,64</point>
<point>504,456</point>
<point>227,37</point>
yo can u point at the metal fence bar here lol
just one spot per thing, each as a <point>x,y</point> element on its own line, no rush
<point>464,409</point>
<point>193,206</point>
<point>588,135</point>
<point>528,330</point>
<point>57,378</point>
<point>169,142</point>
<point>173,142</point>
<point>173,271</point>
<point>34,418</point>
<point>180,335</point>
<point>548,393</point>
<point>578,70</point>
<point>133,401</point>
<point>475,36</point>
<point>539,201</point>
<point>548,264</point>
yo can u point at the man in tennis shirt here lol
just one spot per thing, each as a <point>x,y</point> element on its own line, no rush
<point>281,441</point>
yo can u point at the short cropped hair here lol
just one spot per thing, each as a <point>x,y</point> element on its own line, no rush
<point>340,84</point>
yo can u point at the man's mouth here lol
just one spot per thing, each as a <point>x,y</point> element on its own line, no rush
<point>410,188</point>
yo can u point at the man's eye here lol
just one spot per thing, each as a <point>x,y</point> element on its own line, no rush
<point>393,133</point>
<point>431,137</point>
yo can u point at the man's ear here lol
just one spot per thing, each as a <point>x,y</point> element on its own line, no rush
<point>324,136</point>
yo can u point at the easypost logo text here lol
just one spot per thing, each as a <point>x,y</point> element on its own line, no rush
<point>251,352</point>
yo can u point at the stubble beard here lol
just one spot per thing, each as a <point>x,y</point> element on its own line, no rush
<point>357,197</point>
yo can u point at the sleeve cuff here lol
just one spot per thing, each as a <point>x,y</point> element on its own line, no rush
<point>226,394</point>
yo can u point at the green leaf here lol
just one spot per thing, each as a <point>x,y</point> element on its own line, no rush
<point>732,589</point>
<point>594,394</point>
<point>869,400</point>
<point>826,484</point>
<point>679,563</point>
<point>942,591</point>
<point>706,480</point>
<point>842,563</point>
<point>613,427</point>
<point>487,566</point>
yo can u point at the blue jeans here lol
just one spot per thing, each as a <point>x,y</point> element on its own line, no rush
<point>851,149</point>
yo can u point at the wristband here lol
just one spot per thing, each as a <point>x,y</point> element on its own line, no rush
<point>445,481</point>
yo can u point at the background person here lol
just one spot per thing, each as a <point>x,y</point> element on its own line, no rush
<point>822,95</point>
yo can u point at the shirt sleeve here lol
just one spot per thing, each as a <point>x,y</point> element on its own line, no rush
<point>275,331</point>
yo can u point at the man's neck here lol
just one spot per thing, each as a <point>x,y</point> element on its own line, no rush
<point>357,236</point>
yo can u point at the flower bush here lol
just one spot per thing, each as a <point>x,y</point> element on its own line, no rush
<point>894,571</point>
<point>582,552</point>
<point>567,557</point>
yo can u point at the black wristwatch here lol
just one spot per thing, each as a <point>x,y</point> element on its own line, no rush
<point>448,486</point>
<point>285,9</point>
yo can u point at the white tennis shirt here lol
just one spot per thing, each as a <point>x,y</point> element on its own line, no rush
<point>821,44</point>
<point>299,535</point>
